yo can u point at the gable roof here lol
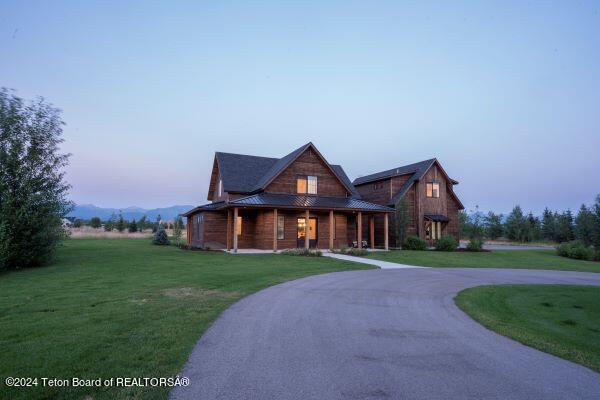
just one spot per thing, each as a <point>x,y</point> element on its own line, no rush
<point>242,173</point>
<point>417,171</point>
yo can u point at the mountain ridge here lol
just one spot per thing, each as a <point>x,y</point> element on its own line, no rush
<point>87,211</point>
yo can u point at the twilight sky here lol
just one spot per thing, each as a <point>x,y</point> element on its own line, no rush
<point>506,95</point>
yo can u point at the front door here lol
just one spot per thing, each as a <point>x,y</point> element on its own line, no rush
<point>312,232</point>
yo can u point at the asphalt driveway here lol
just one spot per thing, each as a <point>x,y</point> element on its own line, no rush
<point>377,334</point>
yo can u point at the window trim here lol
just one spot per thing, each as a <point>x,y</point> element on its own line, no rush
<point>307,179</point>
<point>429,190</point>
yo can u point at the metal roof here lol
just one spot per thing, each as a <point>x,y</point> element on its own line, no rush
<point>206,207</point>
<point>304,201</point>
<point>419,168</point>
<point>437,217</point>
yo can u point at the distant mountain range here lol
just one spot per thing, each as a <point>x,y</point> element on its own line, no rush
<point>87,211</point>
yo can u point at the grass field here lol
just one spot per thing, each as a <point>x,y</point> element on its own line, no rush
<point>531,259</point>
<point>125,308</point>
<point>563,320</point>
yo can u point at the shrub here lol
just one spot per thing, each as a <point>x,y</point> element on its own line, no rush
<point>446,243</point>
<point>576,250</point>
<point>161,238</point>
<point>77,223</point>
<point>475,244</point>
<point>351,251</point>
<point>414,243</point>
<point>302,252</point>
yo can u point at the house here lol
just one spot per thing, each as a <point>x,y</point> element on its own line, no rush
<point>299,200</point>
<point>428,194</point>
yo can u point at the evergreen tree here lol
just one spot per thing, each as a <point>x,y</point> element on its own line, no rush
<point>132,226</point>
<point>548,225</point>
<point>109,226</point>
<point>464,227</point>
<point>402,218</point>
<point>494,227</point>
<point>33,193</point>
<point>178,229</point>
<point>77,223</point>
<point>564,227</point>
<point>596,230</point>
<point>516,225</point>
<point>95,222</point>
<point>120,225</point>
<point>584,225</point>
<point>142,223</point>
<point>534,228</point>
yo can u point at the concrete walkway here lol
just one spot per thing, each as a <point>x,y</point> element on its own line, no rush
<point>377,263</point>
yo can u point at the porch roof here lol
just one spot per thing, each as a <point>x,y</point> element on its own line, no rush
<point>437,217</point>
<point>312,202</point>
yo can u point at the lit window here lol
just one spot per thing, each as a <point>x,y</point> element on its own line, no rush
<point>301,184</point>
<point>220,188</point>
<point>280,226</point>
<point>306,184</point>
<point>433,189</point>
<point>312,184</point>
<point>238,226</point>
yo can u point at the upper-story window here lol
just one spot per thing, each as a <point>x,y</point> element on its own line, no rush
<point>433,189</point>
<point>378,185</point>
<point>306,184</point>
<point>220,188</point>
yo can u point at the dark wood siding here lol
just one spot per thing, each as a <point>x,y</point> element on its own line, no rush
<point>308,163</point>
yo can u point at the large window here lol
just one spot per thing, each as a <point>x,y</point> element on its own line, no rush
<point>280,227</point>
<point>433,189</point>
<point>306,184</point>
<point>238,226</point>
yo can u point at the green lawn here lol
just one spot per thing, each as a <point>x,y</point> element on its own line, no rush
<point>563,320</point>
<point>531,259</point>
<point>112,308</point>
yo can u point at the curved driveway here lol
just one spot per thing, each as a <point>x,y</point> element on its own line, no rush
<point>377,334</point>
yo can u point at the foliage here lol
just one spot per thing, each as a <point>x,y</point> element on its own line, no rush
<point>77,223</point>
<point>414,243</point>
<point>120,225</point>
<point>142,223</point>
<point>472,226</point>
<point>132,227</point>
<point>596,231</point>
<point>351,251</point>
<point>475,244</point>
<point>533,228</point>
<point>584,225</point>
<point>161,238</point>
<point>446,243</point>
<point>494,228</point>
<point>464,223</point>
<point>517,225</point>
<point>402,219</point>
<point>33,194</point>
<point>95,222</point>
<point>577,250</point>
<point>302,252</point>
<point>564,230</point>
<point>548,225</point>
<point>178,229</point>
<point>109,225</point>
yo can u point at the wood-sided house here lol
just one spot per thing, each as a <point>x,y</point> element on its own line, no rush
<point>428,193</point>
<point>300,200</point>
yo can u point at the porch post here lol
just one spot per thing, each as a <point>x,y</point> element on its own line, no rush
<point>359,229</point>
<point>372,231</point>
<point>235,232</point>
<point>228,230</point>
<point>307,231</point>
<point>274,229</point>
<point>331,228</point>
<point>385,231</point>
